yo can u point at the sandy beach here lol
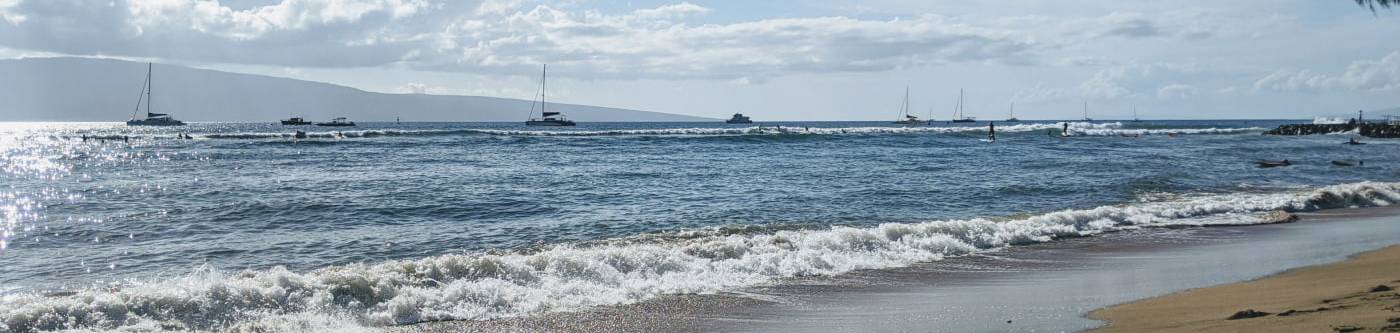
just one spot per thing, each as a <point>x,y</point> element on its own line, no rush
<point>1356,295</point>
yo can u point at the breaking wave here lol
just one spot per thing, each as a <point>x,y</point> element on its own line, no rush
<point>575,276</point>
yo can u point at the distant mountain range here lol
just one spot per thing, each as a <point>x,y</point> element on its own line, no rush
<point>83,89</point>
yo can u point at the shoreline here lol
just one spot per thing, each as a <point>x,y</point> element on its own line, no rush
<point>1355,295</point>
<point>1039,287</point>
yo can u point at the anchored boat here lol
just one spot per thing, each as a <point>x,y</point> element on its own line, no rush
<point>739,118</point>
<point>338,122</point>
<point>906,118</point>
<point>152,118</point>
<point>296,121</point>
<point>546,118</point>
<point>958,115</point>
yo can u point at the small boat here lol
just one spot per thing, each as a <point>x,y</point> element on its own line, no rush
<point>1011,117</point>
<point>1135,117</point>
<point>546,118</point>
<point>906,118</point>
<point>1343,163</point>
<point>958,115</point>
<point>152,118</point>
<point>1086,112</point>
<point>1273,164</point>
<point>1352,141</point>
<point>337,122</point>
<point>739,118</point>
<point>296,121</point>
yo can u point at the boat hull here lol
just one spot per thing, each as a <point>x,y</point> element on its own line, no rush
<point>336,124</point>
<point>549,123</point>
<point>964,121</point>
<point>154,123</point>
<point>295,123</point>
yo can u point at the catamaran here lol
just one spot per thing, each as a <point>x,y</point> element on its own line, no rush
<point>1012,117</point>
<point>958,116</point>
<point>152,118</point>
<point>546,118</point>
<point>907,119</point>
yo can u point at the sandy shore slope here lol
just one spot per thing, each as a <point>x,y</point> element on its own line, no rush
<point>1339,297</point>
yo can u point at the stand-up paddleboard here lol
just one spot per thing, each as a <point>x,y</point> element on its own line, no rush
<point>991,133</point>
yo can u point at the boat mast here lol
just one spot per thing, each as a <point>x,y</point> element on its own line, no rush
<point>905,108</point>
<point>1013,109</point>
<point>544,75</point>
<point>960,103</point>
<point>148,89</point>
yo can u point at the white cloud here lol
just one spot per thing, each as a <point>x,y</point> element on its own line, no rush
<point>210,17</point>
<point>8,15</point>
<point>1177,91</point>
<point>414,88</point>
<point>641,44</point>
<point>1162,80</point>
<point>1361,75</point>
<point>499,36</point>
<point>679,10</point>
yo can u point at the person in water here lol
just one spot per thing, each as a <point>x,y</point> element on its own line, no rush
<point>1065,132</point>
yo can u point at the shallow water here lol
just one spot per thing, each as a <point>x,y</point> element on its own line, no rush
<point>399,223</point>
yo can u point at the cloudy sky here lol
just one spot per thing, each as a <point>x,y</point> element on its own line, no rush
<point>788,60</point>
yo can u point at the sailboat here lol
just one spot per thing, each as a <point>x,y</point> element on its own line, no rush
<point>1012,117</point>
<point>907,119</point>
<point>1086,112</point>
<point>546,118</point>
<point>152,119</point>
<point>1135,117</point>
<point>958,116</point>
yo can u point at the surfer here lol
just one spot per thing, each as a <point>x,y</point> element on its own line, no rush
<point>992,131</point>
<point>1065,132</point>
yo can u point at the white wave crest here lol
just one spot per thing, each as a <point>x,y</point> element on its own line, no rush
<point>575,276</point>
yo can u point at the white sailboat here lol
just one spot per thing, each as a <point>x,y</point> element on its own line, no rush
<point>1086,112</point>
<point>1011,118</point>
<point>958,115</point>
<point>906,118</point>
<point>546,118</point>
<point>152,118</point>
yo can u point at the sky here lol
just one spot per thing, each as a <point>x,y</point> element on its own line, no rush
<point>774,60</point>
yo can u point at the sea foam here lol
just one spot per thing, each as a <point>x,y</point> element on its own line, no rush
<point>576,276</point>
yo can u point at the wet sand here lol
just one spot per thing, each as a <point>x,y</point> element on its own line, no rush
<point>1036,288</point>
<point>1357,295</point>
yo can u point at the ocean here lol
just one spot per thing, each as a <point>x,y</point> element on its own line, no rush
<point>246,227</point>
